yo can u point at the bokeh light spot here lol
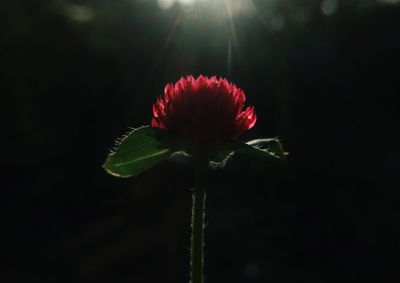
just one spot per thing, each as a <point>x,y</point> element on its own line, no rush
<point>79,13</point>
<point>329,7</point>
<point>165,4</point>
<point>389,1</point>
<point>186,2</point>
<point>251,270</point>
<point>278,22</point>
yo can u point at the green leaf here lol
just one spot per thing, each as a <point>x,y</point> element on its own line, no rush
<point>222,156</point>
<point>138,151</point>
<point>269,150</point>
<point>265,149</point>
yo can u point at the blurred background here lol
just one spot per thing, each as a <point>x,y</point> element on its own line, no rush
<point>323,76</point>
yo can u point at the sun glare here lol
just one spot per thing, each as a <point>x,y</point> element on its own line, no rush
<point>211,7</point>
<point>218,15</point>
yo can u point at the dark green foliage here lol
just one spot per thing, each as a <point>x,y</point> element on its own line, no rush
<point>146,146</point>
<point>266,150</point>
<point>138,151</point>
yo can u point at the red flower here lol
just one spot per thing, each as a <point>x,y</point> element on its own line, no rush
<point>205,110</point>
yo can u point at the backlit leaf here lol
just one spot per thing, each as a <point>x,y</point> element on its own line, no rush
<point>138,151</point>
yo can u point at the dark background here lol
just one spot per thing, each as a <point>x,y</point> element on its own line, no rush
<point>325,78</point>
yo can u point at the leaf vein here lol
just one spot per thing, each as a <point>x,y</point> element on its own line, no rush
<point>161,152</point>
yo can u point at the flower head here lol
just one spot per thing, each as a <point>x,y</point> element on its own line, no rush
<point>204,110</point>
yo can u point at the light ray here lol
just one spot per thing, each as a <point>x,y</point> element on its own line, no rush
<point>229,59</point>
<point>161,55</point>
<point>232,31</point>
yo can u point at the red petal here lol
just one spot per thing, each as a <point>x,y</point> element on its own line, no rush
<point>252,118</point>
<point>155,111</point>
<point>203,109</point>
<point>154,123</point>
<point>168,92</point>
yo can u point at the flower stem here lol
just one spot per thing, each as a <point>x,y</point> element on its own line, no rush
<point>198,212</point>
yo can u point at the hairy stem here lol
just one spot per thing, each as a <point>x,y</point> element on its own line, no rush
<point>198,212</point>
